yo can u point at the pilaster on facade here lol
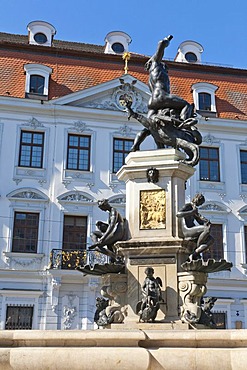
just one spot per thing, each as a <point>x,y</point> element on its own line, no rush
<point>244,303</point>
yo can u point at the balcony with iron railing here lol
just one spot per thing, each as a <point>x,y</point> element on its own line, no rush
<point>72,259</point>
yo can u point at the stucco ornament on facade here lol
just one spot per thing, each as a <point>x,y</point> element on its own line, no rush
<point>55,285</point>
<point>42,182</point>
<point>22,263</point>
<point>28,194</point>
<point>210,139</point>
<point>80,126</point>
<point>69,314</point>
<point>75,197</point>
<point>69,311</point>
<point>66,183</point>
<point>211,207</point>
<point>33,123</point>
<point>17,181</point>
<point>116,100</point>
<point>125,130</point>
<point>89,185</point>
<point>119,200</point>
<point>93,283</point>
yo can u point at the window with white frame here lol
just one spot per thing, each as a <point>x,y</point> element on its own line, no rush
<point>243,166</point>
<point>27,221</point>
<point>204,96</point>
<point>217,250</point>
<point>25,233</point>
<point>245,243</point>
<point>32,154</point>
<point>204,101</point>
<point>78,152</point>
<point>74,232</point>
<point>37,84</point>
<point>37,80</point>
<point>218,213</point>
<point>74,242</point>
<point>121,148</point>
<point>20,308</point>
<point>31,149</point>
<point>79,156</point>
<point>209,167</point>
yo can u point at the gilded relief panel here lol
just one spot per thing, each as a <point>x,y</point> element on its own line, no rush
<point>152,209</point>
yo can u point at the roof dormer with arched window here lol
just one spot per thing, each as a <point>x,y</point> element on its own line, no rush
<point>204,98</point>
<point>37,81</point>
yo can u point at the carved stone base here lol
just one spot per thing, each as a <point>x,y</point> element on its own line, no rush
<point>192,286</point>
<point>165,257</point>
<point>112,309</point>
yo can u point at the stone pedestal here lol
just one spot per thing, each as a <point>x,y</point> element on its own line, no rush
<point>151,208</point>
<point>165,258</point>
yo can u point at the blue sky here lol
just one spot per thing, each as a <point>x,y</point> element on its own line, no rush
<point>219,25</point>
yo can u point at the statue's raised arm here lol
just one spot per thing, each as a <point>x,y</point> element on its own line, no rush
<point>159,54</point>
<point>162,44</point>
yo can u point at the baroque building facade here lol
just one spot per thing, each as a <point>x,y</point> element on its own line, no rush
<point>64,134</point>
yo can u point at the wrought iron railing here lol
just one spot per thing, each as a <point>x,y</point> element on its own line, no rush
<point>19,317</point>
<point>75,258</point>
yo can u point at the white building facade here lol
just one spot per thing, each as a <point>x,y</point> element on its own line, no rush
<point>58,158</point>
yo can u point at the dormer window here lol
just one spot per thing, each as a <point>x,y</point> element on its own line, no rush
<point>40,38</point>
<point>189,52</point>
<point>37,84</point>
<point>191,57</point>
<point>204,101</point>
<point>37,81</point>
<point>40,33</point>
<point>117,47</point>
<point>117,42</point>
<point>204,98</point>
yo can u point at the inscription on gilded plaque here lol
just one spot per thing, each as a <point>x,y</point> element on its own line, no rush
<point>152,209</point>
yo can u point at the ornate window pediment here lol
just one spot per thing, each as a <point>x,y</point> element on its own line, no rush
<point>213,206</point>
<point>118,200</point>
<point>243,211</point>
<point>27,194</point>
<point>75,197</point>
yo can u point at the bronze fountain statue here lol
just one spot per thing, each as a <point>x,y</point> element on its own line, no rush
<point>170,119</point>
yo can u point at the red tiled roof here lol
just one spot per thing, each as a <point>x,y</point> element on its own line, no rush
<point>77,66</point>
<point>231,95</point>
